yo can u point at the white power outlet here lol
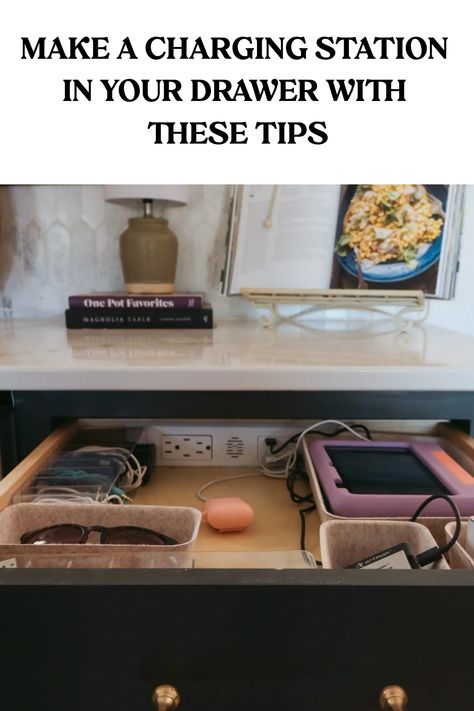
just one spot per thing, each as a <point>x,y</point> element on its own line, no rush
<point>186,447</point>
<point>216,444</point>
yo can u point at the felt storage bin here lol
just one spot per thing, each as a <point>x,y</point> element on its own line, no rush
<point>457,555</point>
<point>12,556</point>
<point>345,542</point>
<point>435,524</point>
<point>179,522</point>
<point>26,556</point>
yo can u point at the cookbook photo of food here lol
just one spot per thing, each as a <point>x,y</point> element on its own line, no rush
<point>396,237</point>
<point>379,237</point>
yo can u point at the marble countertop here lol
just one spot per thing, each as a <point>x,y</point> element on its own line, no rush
<point>236,355</point>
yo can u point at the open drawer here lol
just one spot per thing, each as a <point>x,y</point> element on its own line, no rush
<point>277,522</point>
<point>232,639</point>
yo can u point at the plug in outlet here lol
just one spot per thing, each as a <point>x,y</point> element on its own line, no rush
<point>186,447</point>
<point>264,449</point>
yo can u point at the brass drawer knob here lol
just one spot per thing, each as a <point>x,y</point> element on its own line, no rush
<point>165,698</point>
<point>393,698</point>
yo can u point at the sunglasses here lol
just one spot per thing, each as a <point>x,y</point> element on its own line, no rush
<point>118,535</point>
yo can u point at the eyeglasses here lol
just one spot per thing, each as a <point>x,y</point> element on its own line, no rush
<point>118,535</point>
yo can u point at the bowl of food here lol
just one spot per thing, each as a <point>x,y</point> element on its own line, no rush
<point>390,232</point>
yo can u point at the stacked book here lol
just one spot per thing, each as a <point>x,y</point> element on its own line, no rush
<point>138,311</point>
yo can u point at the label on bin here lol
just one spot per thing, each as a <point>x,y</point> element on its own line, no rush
<point>397,557</point>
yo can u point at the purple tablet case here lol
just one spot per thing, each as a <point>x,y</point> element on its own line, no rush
<point>458,482</point>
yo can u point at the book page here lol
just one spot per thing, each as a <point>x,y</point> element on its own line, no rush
<point>285,237</point>
<point>395,237</point>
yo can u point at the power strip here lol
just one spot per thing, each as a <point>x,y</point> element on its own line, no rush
<point>239,443</point>
<point>214,444</point>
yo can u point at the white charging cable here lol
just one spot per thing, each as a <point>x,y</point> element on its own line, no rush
<point>131,477</point>
<point>288,457</point>
<point>218,481</point>
<point>66,494</point>
<point>133,474</point>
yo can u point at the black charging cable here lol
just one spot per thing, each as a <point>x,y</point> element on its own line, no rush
<point>434,554</point>
<point>300,473</point>
<point>272,443</point>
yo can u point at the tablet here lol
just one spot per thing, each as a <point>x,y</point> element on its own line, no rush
<point>373,479</point>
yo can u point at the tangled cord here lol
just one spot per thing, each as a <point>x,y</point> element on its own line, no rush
<point>130,478</point>
<point>291,472</point>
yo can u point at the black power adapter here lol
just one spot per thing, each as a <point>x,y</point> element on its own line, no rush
<point>397,557</point>
<point>401,557</point>
<point>146,455</point>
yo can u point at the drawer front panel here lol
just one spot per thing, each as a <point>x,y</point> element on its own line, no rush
<point>235,647</point>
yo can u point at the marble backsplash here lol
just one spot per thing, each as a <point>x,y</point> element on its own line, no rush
<point>60,240</point>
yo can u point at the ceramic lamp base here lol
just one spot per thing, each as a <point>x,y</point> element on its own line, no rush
<point>149,250</point>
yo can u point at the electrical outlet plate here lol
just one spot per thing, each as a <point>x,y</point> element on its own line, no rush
<point>215,444</point>
<point>180,448</point>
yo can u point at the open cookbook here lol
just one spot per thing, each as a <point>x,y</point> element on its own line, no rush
<point>344,237</point>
